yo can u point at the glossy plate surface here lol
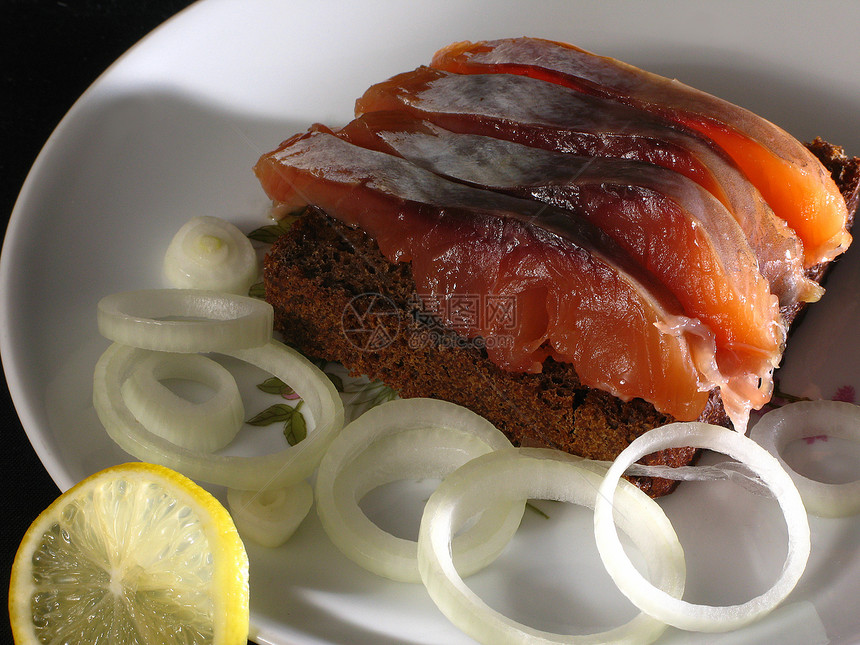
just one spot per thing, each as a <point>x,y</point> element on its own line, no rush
<point>171,131</point>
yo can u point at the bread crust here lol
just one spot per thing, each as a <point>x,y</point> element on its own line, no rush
<point>336,296</point>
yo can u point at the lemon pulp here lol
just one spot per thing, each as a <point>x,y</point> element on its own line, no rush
<point>135,554</point>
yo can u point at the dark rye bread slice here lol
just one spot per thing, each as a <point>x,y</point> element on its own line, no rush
<point>337,297</point>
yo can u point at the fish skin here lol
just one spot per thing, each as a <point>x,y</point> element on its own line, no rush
<point>803,194</point>
<point>543,115</point>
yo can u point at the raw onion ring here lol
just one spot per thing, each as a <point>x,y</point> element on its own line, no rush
<point>658,603</point>
<point>278,469</point>
<point>185,320</point>
<point>407,439</point>
<point>776,429</point>
<point>211,253</point>
<point>520,473</point>
<point>270,517</point>
<point>206,426</point>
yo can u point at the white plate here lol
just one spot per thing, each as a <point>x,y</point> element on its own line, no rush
<point>172,130</point>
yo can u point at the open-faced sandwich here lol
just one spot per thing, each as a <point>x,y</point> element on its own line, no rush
<point>574,248</point>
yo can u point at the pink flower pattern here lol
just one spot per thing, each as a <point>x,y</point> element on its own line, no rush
<point>846,393</point>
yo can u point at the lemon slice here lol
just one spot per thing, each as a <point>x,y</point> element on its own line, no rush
<point>136,553</point>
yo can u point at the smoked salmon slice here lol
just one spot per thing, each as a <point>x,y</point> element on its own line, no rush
<point>553,117</point>
<point>668,223</point>
<point>793,182</point>
<point>672,226</point>
<point>586,301</point>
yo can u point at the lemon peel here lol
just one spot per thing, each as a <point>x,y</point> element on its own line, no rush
<point>136,553</point>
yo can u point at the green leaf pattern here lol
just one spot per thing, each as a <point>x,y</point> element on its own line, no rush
<point>271,232</point>
<point>280,412</point>
<point>274,385</point>
<point>257,290</point>
<point>359,395</point>
<point>295,427</point>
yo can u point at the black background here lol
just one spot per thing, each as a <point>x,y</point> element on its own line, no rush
<point>52,50</point>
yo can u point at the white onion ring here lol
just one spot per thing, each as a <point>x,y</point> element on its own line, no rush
<point>663,606</point>
<point>540,473</point>
<point>206,426</point>
<point>278,469</point>
<point>776,429</point>
<point>211,253</point>
<point>407,439</point>
<point>270,517</point>
<point>185,320</point>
